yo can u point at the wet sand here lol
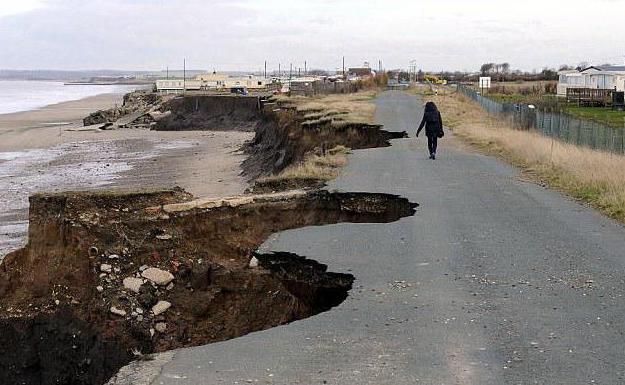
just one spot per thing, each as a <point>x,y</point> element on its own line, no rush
<point>40,128</point>
<point>35,157</point>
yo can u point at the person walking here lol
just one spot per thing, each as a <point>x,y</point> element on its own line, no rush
<point>433,127</point>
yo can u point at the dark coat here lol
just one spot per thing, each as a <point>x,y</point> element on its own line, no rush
<point>432,121</point>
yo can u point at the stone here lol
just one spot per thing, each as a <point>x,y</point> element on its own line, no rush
<point>254,262</point>
<point>113,256</point>
<point>100,289</point>
<point>170,286</point>
<point>133,284</point>
<point>164,237</point>
<point>139,310</point>
<point>160,327</point>
<point>143,267</point>
<point>139,318</point>
<point>119,312</point>
<point>106,268</point>
<point>160,307</point>
<point>147,296</point>
<point>158,276</point>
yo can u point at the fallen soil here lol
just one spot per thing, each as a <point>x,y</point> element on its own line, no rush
<point>204,163</point>
<point>107,277</point>
<point>137,101</point>
<point>283,135</point>
<point>210,112</point>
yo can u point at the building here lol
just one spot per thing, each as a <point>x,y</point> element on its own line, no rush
<point>357,73</point>
<point>178,85</point>
<point>251,82</point>
<point>212,81</point>
<point>594,77</point>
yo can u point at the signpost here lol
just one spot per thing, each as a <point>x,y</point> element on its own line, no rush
<point>484,83</point>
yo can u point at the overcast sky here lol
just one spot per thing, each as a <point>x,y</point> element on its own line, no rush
<point>242,34</point>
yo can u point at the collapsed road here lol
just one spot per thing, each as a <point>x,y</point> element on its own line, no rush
<point>109,277</point>
<point>495,281</point>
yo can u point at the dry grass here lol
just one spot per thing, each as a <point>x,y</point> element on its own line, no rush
<point>314,167</point>
<point>592,176</point>
<point>354,107</point>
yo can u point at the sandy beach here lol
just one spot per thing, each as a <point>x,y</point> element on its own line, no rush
<point>37,156</point>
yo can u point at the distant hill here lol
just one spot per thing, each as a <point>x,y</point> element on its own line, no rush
<point>60,75</point>
<point>87,75</point>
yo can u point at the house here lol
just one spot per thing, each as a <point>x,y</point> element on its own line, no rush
<point>358,73</point>
<point>177,85</point>
<point>251,82</point>
<point>212,80</point>
<point>594,77</point>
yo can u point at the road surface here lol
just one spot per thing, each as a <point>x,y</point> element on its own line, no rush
<point>493,281</point>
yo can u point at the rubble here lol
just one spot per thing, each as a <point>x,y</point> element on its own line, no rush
<point>204,275</point>
<point>133,284</point>
<point>119,312</point>
<point>160,307</point>
<point>157,276</point>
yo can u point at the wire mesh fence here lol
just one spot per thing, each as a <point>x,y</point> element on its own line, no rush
<point>555,124</point>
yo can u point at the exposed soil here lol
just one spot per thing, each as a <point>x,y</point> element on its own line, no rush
<point>283,135</point>
<point>110,277</point>
<point>282,139</point>
<point>210,112</point>
<point>71,320</point>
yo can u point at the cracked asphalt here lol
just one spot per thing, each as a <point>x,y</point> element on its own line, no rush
<point>493,281</point>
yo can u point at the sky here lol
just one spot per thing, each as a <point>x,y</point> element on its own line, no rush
<point>227,35</point>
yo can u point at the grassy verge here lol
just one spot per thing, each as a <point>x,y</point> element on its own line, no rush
<point>355,107</point>
<point>332,110</point>
<point>591,176</point>
<point>314,171</point>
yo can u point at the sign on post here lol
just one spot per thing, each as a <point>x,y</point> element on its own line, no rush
<point>484,82</point>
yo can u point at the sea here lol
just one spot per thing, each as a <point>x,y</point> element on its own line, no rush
<point>26,95</point>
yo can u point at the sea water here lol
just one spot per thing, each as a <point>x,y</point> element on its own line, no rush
<point>25,95</point>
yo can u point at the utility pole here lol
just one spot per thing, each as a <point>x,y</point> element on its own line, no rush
<point>413,71</point>
<point>305,68</point>
<point>343,66</point>
<point>290,71</point>
<point>380,66</point>
<point>167,72</point>
<point>184,75</point>
<point>265,69</point>
<point>279,71</point>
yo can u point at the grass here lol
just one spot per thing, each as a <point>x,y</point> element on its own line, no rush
<point>598,114</point>
<point>314,167</point>
<point>353,108</point>
<point>334,110</point>
<point>591,176</point>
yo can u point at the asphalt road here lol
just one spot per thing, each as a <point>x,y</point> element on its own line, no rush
<point>493,281</point>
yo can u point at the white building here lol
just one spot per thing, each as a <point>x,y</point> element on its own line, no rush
<point>212,81</point>
<point>177,85</point>
<point>595,77</point>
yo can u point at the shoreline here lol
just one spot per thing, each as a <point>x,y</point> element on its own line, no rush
<point>39,128</point>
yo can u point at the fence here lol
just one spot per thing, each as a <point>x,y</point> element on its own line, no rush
<point>554,124</point>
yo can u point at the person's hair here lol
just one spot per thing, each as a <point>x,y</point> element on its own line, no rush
<point>430,106</point>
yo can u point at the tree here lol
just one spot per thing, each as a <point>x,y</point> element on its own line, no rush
<point>487,68</point>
